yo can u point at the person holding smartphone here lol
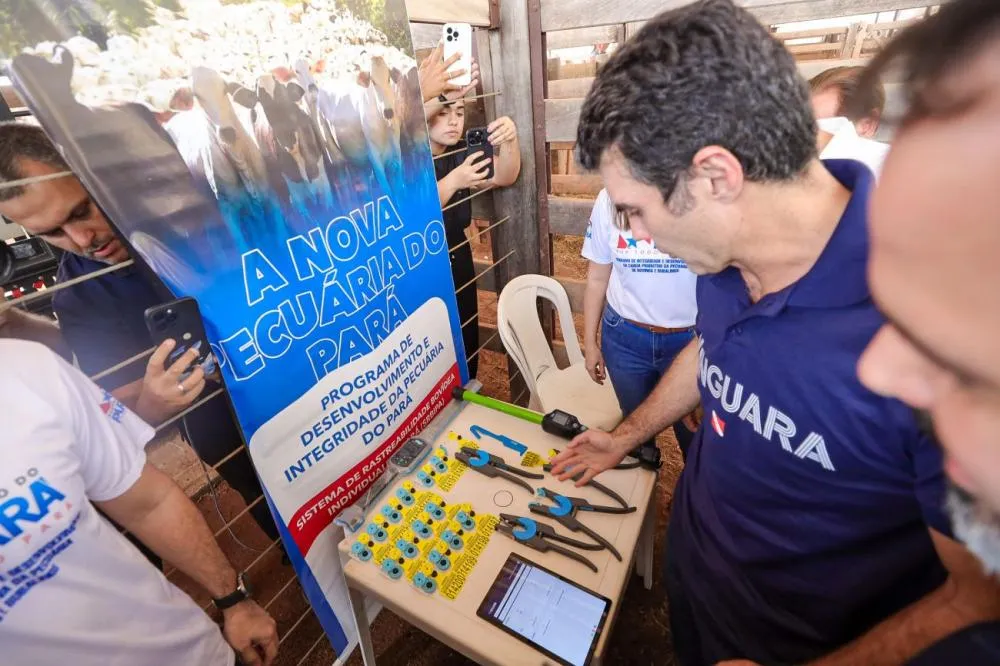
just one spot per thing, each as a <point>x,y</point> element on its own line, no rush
<point>643,303</point>
<point>101,320</point>
<point>459,174</point>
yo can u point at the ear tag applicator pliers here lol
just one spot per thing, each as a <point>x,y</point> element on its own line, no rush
<point>493,466</point>
<point>564,512</point>
<point>593,483</point>
<point>540,536</point>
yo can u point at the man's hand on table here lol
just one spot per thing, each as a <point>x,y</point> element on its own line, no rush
<point>593,451</point>
<point>164,393</point>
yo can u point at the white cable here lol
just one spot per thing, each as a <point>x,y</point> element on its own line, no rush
<point>34,179</point>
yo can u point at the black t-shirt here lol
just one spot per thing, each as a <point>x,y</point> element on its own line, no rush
<point>978,645</point>
<point>458,218</point>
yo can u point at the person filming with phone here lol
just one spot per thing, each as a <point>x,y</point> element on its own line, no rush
<point>492,160</point>
<point>101,320</point>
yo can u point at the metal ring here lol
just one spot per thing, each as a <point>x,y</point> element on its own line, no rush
<point>503,498</point>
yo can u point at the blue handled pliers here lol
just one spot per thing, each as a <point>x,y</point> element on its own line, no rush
<point>565,510</point>
<point>493,466</point>
<point>539,536</point>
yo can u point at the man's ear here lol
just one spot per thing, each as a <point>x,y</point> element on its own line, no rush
<point>721,169</point>
<point>867,127</point>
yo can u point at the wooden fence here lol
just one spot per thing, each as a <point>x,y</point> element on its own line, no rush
<point>600,24</point>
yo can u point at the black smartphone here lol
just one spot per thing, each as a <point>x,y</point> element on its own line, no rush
<point>181,320</point>
<point>477,140</point>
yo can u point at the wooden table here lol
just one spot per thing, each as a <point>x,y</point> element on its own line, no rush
<point>455,623</point>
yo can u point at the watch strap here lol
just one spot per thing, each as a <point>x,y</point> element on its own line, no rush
<point>241,593</point>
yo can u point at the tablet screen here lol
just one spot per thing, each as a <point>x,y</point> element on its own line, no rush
<point>556,616</point>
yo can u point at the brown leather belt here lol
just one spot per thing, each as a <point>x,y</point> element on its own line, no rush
<point>660,329</point>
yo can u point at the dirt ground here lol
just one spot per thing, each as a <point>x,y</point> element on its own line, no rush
<point>640,637</point>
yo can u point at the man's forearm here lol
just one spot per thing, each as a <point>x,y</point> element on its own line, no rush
<point>910,631</point>
<point>674,397</point>
<point>158,512</point>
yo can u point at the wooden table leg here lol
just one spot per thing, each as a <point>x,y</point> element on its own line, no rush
<point>364,632</point>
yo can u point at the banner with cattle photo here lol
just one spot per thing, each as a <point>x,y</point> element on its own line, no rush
<point>270,159</point>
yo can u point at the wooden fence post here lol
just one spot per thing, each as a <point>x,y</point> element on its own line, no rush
<point>512,59</point>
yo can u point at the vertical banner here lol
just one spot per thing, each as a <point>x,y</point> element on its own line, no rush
<point>271,160</point>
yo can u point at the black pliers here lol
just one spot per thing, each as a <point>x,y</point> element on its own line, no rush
<point>564,512</point>
<point>493,466</point>
<point>539,536</point>
<point>593,483</point>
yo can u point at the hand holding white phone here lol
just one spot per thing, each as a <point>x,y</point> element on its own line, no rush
<point>457,38</point>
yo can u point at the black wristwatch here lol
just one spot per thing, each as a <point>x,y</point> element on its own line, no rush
<point>242,593</point>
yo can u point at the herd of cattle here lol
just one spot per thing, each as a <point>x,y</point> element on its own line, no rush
<point>303,130</point>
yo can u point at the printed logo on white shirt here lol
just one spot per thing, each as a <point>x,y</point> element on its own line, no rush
<point>646,285</point>
<point>641,256</point>
<point>37,522</point>
<point>112,408</point>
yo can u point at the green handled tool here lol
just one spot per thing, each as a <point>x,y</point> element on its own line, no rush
<point>556,422</point>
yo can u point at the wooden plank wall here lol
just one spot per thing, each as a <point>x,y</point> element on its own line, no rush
<point>598,23</point>
<point>476,12</point>
<point>500,75</point>
<point>571,14</point>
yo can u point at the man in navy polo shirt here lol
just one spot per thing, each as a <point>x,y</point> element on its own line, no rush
<point>102,319</point>
<point>808,523</point>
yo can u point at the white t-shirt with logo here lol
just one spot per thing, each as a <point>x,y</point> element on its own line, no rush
<point>73,590</point>
<point>646,285</point>
<point>847,145</point>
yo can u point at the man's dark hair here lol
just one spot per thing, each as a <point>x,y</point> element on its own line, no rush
<point>705,74</point>
<point>868,102</point>
<point>932,49</point>
<point>21,141</point>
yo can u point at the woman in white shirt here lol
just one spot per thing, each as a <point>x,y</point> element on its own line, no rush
<point>644,303</point>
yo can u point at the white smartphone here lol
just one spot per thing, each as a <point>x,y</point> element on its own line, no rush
<point>458,39</point>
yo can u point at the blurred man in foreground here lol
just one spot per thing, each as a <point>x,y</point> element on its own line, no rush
<point>808,523</point>
<point>934,272</point>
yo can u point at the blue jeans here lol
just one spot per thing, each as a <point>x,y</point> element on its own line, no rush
<point>636,359</point>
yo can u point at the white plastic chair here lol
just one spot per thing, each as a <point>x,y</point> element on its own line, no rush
<point>570,389</point>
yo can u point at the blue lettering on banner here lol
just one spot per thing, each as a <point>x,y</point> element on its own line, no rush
<point>369,404</point>
<point>365,294</point>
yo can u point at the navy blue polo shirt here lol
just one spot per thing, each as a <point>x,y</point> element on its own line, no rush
<point>102,319</point>
<point>978,645</point>
<point>801,519</point>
